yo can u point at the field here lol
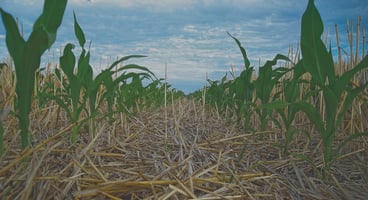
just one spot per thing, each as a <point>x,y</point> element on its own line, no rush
<point>297,129</point>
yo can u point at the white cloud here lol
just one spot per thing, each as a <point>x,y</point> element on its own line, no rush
<point>162,5</point>
<point>171,5</point>
<point>26,2</point>
<point>190,29</point>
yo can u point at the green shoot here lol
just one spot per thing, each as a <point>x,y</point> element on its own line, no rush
<point>27,56</point>
<point>318,62</point>
<point>80,89</point>
<point>265,85</point>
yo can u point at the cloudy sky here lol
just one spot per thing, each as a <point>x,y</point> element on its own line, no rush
<point>189,36</point>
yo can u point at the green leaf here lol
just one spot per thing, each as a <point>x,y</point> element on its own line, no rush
<point>299,69</point>
<point>268,78</point>
<point>332,104</point>
<point>79,32</point>
<point>330,68</point>
<point>345,78</point>
<point>244,53</point>
<point>85,72</point>
<point>292,90</point>
<point>312,113</point>
<point>36,45</point>
<point>317,61</point>
<point>67,61</point>
<point>124,59</point>
<point>349,100</point>
<point>135,67</point>
<point>14,40</point>
<point>50,19</point>
<point>277,104</point>
<point>103,76</point>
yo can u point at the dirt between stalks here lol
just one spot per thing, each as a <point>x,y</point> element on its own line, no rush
<point>193,153</point>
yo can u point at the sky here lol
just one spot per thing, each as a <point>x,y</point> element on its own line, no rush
<point>188,36</point>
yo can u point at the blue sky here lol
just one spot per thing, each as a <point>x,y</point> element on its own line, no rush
<point>189,36</point>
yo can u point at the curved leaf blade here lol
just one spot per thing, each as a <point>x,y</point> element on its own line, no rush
<point>244,53</point>
<point>79,32</point>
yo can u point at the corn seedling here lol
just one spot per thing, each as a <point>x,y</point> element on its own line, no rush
<point>291,94</point>
<point>80,89</point>
<point>265,84</point>
<point>242,93</point>
<point>27,56</point>
<point>154,93</point>
<point>242,89</point>
<point>338,95</point>
<point>217,95</point>
<point>334,92</point>
<point>114,87</point>
<point>68,97</point>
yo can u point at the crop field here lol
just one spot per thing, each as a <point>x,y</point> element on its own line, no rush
<point>296,129</point>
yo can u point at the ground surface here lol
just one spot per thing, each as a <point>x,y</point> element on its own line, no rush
<point>183,151</point>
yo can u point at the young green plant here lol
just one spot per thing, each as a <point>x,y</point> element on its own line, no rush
<point>217,94</point>
<point>27,56</point>
<point>242,89</point>
<point>127,86</point>
<point>80,88</point>
<point>291,94</point>
<point>285,106</point>
<point>265,85</point>
<point>338,95</point>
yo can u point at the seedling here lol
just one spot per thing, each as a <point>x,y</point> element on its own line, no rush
<point>27,56</point>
